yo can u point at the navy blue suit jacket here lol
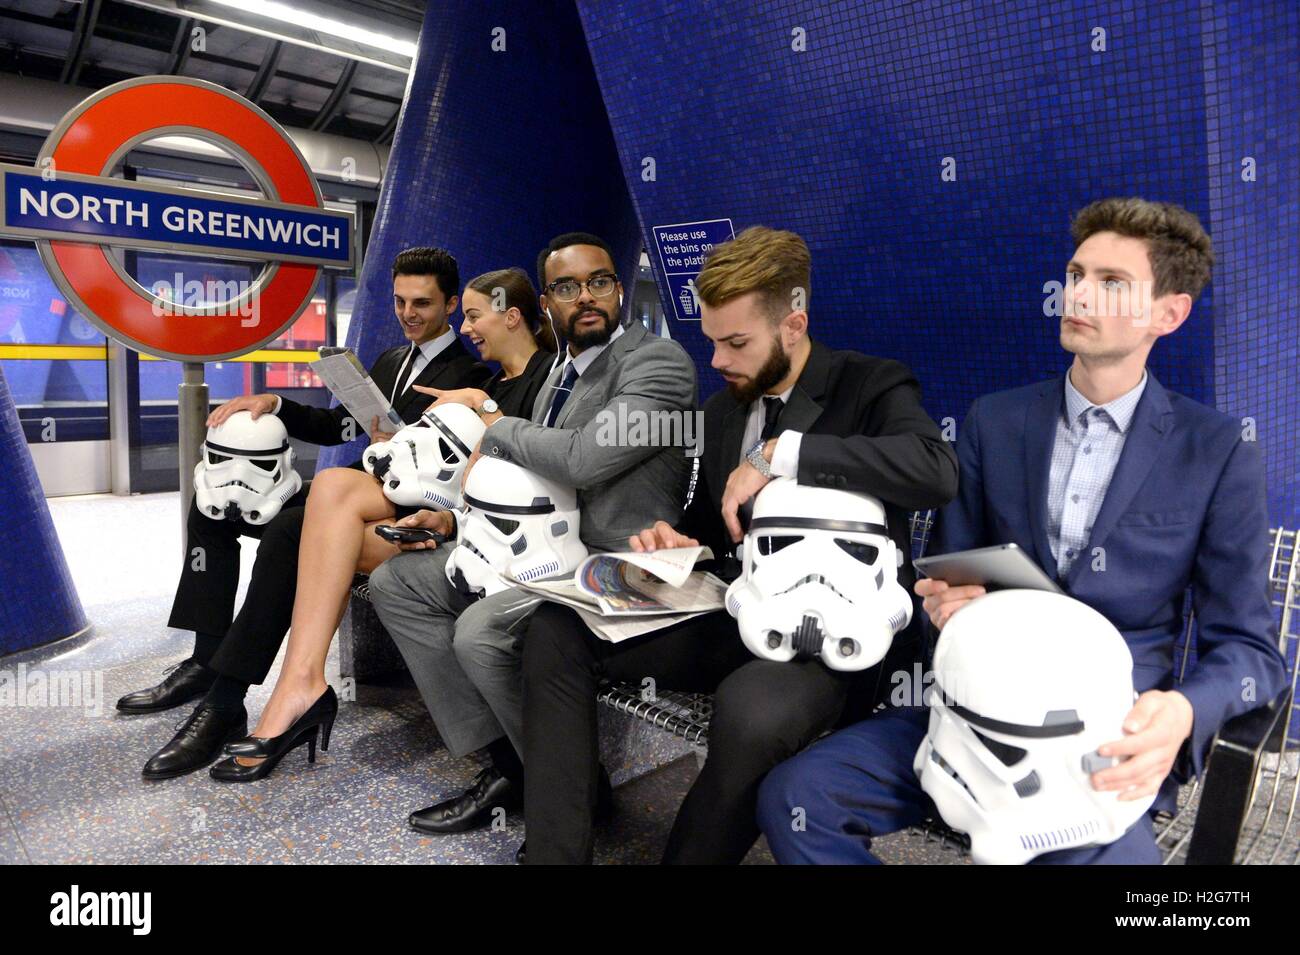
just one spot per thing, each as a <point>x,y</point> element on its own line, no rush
<point>1185,507</point>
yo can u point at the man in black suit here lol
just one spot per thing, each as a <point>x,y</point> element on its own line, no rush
<point>792,407</point>
<point>230,654</point>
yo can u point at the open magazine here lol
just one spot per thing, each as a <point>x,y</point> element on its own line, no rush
<point>342,373</point>
<point>625,594</point>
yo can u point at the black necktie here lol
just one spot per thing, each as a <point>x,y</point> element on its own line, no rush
<point>772,405</point>
<point>562,393</point>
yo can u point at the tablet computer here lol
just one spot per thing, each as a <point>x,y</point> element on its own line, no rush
<point>1001,567</point>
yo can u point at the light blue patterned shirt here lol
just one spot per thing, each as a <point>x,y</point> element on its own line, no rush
<point>1089,439</point>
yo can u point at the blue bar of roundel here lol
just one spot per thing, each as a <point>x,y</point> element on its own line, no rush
<point>155,230</point>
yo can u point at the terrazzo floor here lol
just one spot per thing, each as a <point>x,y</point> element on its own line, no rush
<point>70,785</point>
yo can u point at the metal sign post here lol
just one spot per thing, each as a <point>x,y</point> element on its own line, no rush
<point>192,412</point>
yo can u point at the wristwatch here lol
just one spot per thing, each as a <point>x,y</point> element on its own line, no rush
<point>755,457</point>
<point>488,407</point>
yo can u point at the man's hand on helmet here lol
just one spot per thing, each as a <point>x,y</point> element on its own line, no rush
<point>941,600</point>
<point>1154,732</point>
<point>256,405</point>
<point>660,537</point>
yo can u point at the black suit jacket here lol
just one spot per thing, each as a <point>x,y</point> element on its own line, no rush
<point>453,367</point>
<point>863,430</point>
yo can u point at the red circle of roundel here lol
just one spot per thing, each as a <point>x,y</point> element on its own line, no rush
<point>87,145</point>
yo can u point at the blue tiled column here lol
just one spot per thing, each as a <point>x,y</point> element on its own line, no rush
<point>495,153</point>
<point>38,602</point>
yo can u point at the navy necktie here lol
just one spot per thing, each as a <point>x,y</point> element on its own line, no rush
<point>562,393</point>
<point>772,405</point>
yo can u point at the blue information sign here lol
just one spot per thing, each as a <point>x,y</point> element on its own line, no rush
<point>682,250</point>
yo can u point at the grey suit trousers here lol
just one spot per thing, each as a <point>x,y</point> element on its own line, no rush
<point>464,656</point>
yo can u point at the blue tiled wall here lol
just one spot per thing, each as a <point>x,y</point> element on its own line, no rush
<point>495,153</point>
<point>844,143</point>
<point>38,601</point>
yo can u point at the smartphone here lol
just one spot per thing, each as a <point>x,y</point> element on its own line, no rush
<point>408,535</point>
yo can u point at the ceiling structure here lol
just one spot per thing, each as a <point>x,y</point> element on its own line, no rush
<point>334,67</point>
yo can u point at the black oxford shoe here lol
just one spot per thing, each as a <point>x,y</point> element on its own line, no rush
<point>473,808</point>
<point>198,742</point>
<point>184,682</point>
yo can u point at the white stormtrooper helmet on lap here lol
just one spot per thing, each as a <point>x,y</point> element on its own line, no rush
<point>1027,686</point>
<point>421,465</point>
<point>820,578</point>
<point>246,471</point>
<point>515,523</point>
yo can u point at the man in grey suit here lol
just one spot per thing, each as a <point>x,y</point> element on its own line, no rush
<point>465,654</point>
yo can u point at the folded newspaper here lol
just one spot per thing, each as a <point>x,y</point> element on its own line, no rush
<point>344,375</point>
<point>626,594</point>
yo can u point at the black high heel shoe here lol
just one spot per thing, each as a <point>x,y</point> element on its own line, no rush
<point>318,720</point>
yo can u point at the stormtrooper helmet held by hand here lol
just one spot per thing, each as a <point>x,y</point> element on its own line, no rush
<point>1027,686</point>
<point>421,465</point>
<point>246,471</point>
<point>820,578</point>
<point>513,523</point>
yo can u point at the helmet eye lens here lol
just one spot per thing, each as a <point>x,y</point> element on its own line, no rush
<point>867,553</point>
<point>448,454</point>
<point>1007,755</point>
<point>769,544</point>
<point>214,458</point>
<point>504,526</point>
<point>264,464</point>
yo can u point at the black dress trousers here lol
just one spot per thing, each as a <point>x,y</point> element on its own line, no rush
<point>205,597</point>
<point>764,713</point>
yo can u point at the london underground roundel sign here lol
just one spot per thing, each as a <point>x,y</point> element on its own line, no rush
<point>74,209</point>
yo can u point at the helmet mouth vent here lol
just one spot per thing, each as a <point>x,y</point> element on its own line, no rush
<point>1059,838</point>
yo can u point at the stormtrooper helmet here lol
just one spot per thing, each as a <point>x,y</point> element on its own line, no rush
<point>513,522</point>
<point>820,578</point>
<point>246,471</point>
<point>421,465</point>
<point>1027,686</point>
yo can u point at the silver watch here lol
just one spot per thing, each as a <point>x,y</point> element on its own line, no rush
<point>488,407</point>
<point>755,457</point>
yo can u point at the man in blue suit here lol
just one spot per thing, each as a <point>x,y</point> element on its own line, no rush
<point>1124,492</point>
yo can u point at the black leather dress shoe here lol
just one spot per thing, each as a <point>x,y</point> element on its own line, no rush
<point>472,809</point>
<point>185,681</point>
<point>198,742</point>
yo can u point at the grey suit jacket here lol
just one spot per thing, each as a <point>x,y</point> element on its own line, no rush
<point>623,485</point>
